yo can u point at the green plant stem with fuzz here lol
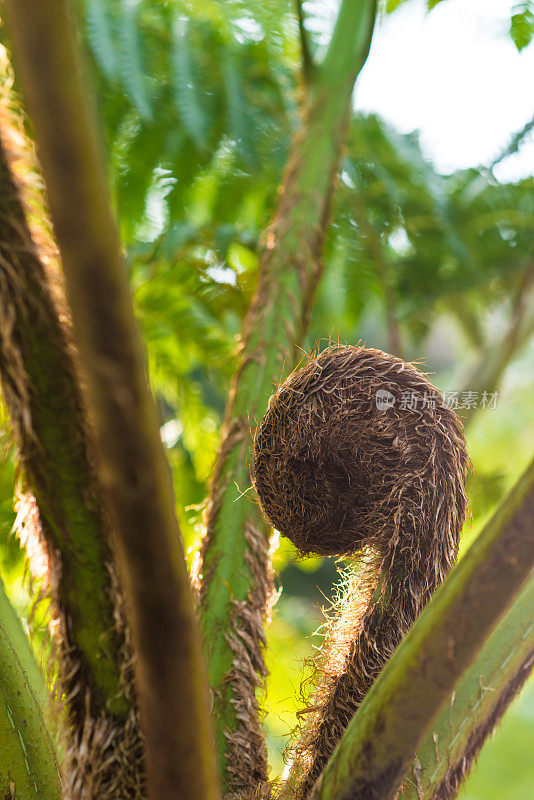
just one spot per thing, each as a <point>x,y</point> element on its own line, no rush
<point>28,765</point>
<point>478,702</point>
<point>132,468</point>
<point>40,388</point>
<point>372,758</point>
<point>67,528</point>
<point>307,60</point>
<point>235,548</point>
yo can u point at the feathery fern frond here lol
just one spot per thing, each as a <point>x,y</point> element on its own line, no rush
<point>100,36</point>
<point>130,58</point>
<point>187,94</point>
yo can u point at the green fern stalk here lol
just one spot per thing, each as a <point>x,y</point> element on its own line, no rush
<point>41,391</point>
<point>133,471</point>
<point>28,766</point>
<point>379,744</point>
<point>476,705</point>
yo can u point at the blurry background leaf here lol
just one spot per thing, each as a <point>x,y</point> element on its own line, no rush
<point>522,24</point>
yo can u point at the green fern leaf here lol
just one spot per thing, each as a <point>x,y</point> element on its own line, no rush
<point>100,37</point>
<point>187,95</point>
<point>131,58</point>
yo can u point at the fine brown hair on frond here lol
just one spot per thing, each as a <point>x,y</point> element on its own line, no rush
<point>101,746</point>
<point>24,167</point>
<point>359,455</point>
<point>266,790</point>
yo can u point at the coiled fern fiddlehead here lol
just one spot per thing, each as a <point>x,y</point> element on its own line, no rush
<point>358,455</point>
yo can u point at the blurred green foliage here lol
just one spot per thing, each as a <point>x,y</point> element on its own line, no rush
<point>197,102</point>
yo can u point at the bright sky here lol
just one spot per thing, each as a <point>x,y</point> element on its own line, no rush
<point>456,75</point>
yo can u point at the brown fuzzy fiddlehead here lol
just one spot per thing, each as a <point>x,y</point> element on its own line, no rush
<point>358,455</point>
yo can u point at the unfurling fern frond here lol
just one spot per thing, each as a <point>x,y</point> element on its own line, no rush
<point>341,469</point>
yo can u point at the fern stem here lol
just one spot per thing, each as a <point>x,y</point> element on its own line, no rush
<point>480,698</point>
<point>40,387</point>
<point>28,766</point>
<point>132,468</point>
<point>375,752</point>
<point>69,527</point>
<point>307,60</point>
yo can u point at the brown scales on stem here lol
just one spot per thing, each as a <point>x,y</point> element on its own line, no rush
<point>340,475</point>
<point>102,747</point>
<point>457,772</point>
